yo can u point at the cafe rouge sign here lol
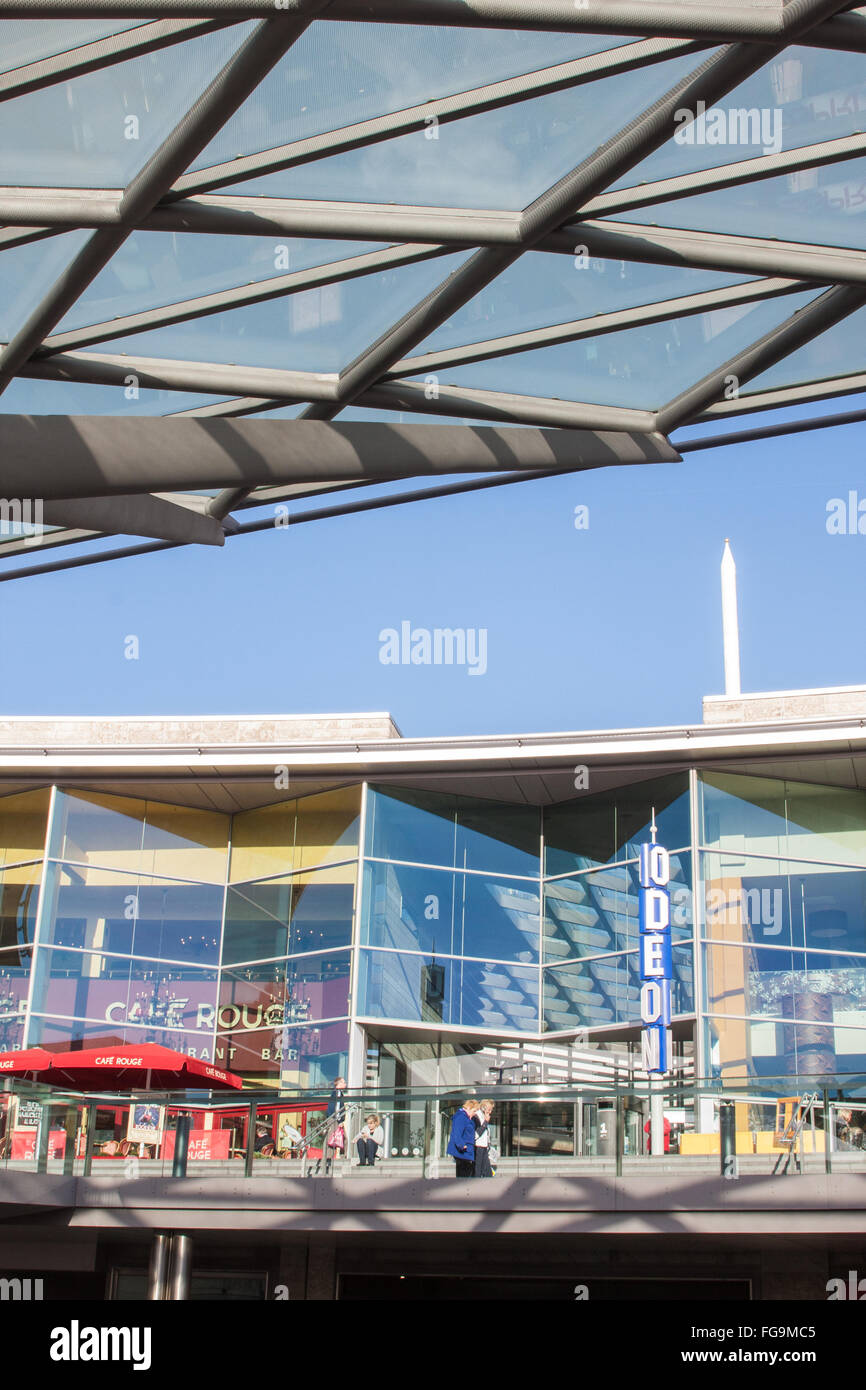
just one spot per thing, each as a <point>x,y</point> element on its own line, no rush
<point>655,958</point>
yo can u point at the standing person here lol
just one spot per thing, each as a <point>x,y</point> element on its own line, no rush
<point>335,1139</point>
<point>481,1121</point>
<point>369,1141</point>
<point>461,1145</point>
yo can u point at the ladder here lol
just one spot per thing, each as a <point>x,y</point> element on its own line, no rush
<point>787,1137</point>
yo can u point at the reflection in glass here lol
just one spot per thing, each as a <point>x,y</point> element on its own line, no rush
<point>97,909</point>
<point>475,994</point>
<point>768,1047</point>
<point>23,820</point>
<point>118,990</point>
<point>599,911</point>
<point>611,825</point>
<point>293,1057</point>
<point>784,903</point>
<point>286,916</point>
<point>299,834</point>
<point>66,1033</point>
<point>143,836</point>
<point>433,910</point>
<point>462,832</point>
<point>19,900</point>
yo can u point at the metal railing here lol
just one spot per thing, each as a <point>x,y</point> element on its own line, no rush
<point>556,1129</point>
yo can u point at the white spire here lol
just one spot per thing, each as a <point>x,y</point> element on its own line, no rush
<point>730,623</point>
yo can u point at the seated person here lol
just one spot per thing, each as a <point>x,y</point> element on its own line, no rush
<point>369,1141</point>
<point>264,1144</point>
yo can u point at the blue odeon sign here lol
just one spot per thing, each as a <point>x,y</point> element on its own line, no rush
<point>655,958</point>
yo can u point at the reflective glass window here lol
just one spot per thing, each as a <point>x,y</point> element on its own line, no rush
<point>314,830</point>
<point>19,900</point>
<point>145,836</point>
<point>781,983</point>
<point>23,820</point>
<point>119,990</point>
<point>771,1048</point>
<point>609,826</point>
<point>304,1057</point>
<point>22,41</point>
<point>97,909</point>
<point>63,1033</point>
<point>446,990</point>
<point>416,826</point>
<point>599,911</point>
<point>15,970</point>
<point>784,903</point>
<point>437,911</point>
<point>287,916</point>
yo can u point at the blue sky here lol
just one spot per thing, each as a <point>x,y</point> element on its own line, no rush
<point>617,625</point>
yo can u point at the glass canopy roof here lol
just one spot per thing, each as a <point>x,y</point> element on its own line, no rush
<point>399,212</point>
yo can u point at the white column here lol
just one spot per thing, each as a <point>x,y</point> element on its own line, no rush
<point>730,623</point>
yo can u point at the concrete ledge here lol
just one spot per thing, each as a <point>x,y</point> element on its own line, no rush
<point>196,732</point>
<point>779,706</point>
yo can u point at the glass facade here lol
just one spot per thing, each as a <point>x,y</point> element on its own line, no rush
<point>258,939</point>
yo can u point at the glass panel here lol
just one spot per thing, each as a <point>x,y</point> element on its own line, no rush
<point>837,352</point>
<point>823,206</point>
<point>153,269</point>
<point>416,826</point>
<point>444,990</point>
<point>768,816</point>
<point>311,1057</point>
<point>339,74</point>
<point>318,330</point>
<point>82,398</point>
<point>637,367</point>
<point>591,994</point>
<point>466,832</point>
<point>778,983</point>
<point>263,841</point>
<point>145,836</point>
<point>498,159</point>
<point>64,1033</point>
<point>22,41</point>
<point>546,288</point>
<point>466,914</point>
<point>806,95</point>
<point>597,912</point>
<point>784,903</point>
<point>286,916</point>
<point>97,910</point>
<point>97,130</point>
<point>327,827</point>
<point>765,1047</point>
<point>498,838</point>
<point>23,820</point>
<point>15,970</point>
<point>25,271</point>
<point>611,825</point>
<point>19,900</point>
<point>116,990</point>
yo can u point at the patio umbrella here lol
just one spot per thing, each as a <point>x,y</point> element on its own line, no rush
<point>147,1067</point>
<point>27,1062</point>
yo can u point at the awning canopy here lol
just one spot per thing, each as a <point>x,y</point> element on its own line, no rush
<point>603,221</point>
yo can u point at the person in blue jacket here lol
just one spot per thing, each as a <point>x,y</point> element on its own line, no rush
<point>461,1145</point>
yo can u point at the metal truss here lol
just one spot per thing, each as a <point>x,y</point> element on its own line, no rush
<point>129,475</point>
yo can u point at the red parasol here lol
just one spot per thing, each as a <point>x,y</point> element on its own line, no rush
<point>27,1062</point>
<point>145,1067</point>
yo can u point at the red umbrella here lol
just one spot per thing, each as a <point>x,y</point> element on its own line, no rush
<point>146,1067</point>
<point>24,1063</point>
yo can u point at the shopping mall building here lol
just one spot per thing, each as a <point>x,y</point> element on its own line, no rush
<point>303,897</point>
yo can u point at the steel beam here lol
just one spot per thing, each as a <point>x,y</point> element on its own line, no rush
<point>801,394</point>
<point>818,422</point>
<point>165,374</point>
<point>743,171</point>
<point>622,241</point>
<point>106,456</point>
<point>229,89</point>
<point>594,327</point>
<point>717,75</point>
<point>493,96</point>
<point>135,516</point>
<point>808,323</point>
<point>758,22</point>
<point>102,53</point>
<point>277,287</point>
